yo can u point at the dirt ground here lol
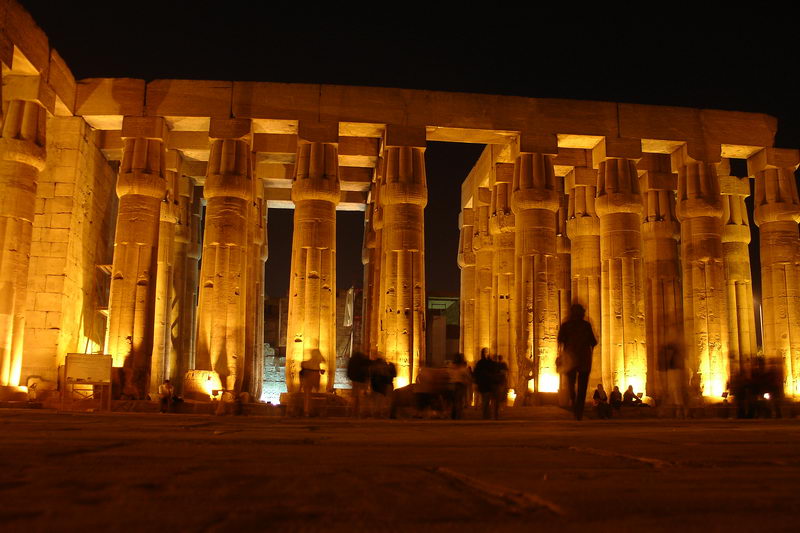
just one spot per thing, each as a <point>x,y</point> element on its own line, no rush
<point>540,471</point>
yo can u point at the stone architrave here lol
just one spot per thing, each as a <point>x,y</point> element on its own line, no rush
<point>583,229</point>
<point>141,187</point>
<point>619,206</point>
<point>483,245</point>
<point>404,196</point>
<point>534,202</point>
<point>312,291</point>
<point>662,280</point>
<point>705,301</point>
<point>738,276</point>
<point>256,260</point>
<point>466,262</point>
<point>221,341</point>
<point>501,228</point>
<point>22,157</point>
<point>777,213</point>
<point>162,362</point>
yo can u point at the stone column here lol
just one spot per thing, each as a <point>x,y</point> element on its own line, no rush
<point>160,363</point>
<point>583,229</point>
<point>377,342</point>
<point>22,157</point>
<point>184,281</point>
<point>563,249</point>
<point>777,212</point>
<point>256,259</point>
<point>404,197</point>
<point>368,259</point>
<point>312,290</point>
<point>662,280</point>
<point>501,228</point>
<point>738,278</point>
<point>221,342</point>
<point>619,206</point>
<point>535,201</point>
<point>482,244</point>
<point>466,262</point>
<point>141,188</point>
<point>705,299</point>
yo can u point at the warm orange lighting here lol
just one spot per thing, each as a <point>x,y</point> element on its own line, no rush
<point>402,381</point>
<point>548,382</point>
<point>511,397</point>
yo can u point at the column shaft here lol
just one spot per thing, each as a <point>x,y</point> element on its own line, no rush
<point>482,244</point>
<point>256,259</point>
<point>466,262</point>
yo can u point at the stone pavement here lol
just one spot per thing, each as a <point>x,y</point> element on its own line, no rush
<point>147,472</point>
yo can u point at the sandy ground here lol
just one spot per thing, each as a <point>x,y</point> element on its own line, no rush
<point>149,472</point>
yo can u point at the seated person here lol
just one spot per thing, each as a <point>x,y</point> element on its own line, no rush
<point>600,399</point>
<point>616,398</point>
<point>630,398</point>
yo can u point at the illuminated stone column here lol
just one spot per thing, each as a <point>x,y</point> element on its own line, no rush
<point>501,227</point>
<point>563,248</point>
<point>312,290</point>
<point>705,301</point>
<point>404,197</point>
<point>738,277</point>
<point>184,281</point>
<point>371,261</point>
<point>22,157</point>
<point>583,229</point>
<point>777,212</point>
<point>141,188</point>
<point>164,299</point>
<point>256,260</point>
<point>482,244</point>
<point>662,279</point>
<point>377,339</point>
<point>466,262</point>
<point>619,206</point>
<point>221,341</point>
<point>535,202</point>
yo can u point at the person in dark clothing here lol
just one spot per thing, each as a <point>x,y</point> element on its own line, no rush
<point>600,399</point>
<point>500,394</point>
<point>484,375</point>
<point>615,399</point>
<point>358,374</point>
<point>630,398</point>
<point>576,341</point>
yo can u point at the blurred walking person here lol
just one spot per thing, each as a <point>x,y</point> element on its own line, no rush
<point>484,375</point>
<point>358,374</point>
<point>460,379</point>
<point>576,341</point>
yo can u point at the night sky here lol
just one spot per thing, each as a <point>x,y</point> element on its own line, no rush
<point>728,59</point>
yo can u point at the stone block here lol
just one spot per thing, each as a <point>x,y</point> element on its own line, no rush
<point>42,221</point>
<point>293,101</point>
<point>64,189</point>
<point>228,128</point>
<point>110,97</point>
<point>405,136</point>
<point>189,98</point>
<point>53,320</point>
<point>322,132</point>
<point>58,249</point>
<point>60,220</point>
<point>35,319</point>
<point>47,301</point>
<point>29,39</point>
<point>51,265</point>
<point>60,78</point>
<point>146,127</point>
<point>58,204</point>
<point>45,190</point>
<point>55,283</point>
<point>29,88</point>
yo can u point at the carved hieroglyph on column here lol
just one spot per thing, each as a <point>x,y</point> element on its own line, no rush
<point>404,197</point>
<point>704,293</point>
<point>22,157</point>
<point>777,213</point>
<point>141,188</point>
<point>223,277</point>
<point>163,314</point>
<point>738,278</point>
<point>466,262</point>
<point>184,281</point>
<point>256,260</point>
<point>583,229</point>
<point>662,280</point>
<point>535,202</point>
<point>312,290</point>
<point>501,227</point>
<point>484,257</point>
<point>619,206</point>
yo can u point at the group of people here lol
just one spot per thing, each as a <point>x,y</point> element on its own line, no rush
<point>606,404</point>
<point>373,379</point>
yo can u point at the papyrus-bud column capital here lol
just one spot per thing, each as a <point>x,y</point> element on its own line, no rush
<point>311,326</point>
<point>141,188</point>
<point>619,206</point>
<point>535,201</point>
<point>705,304</point>
<point>223,277</point>
<point>22,157</point>
<point>404,194</point>
<point>777,213</point>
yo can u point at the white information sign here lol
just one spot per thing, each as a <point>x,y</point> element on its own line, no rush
<point>88,368</point>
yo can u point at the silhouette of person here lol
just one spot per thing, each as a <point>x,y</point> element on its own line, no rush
<point>460,378</point>
<point>615,399</point>
<point>630,398</point>
<point>576,341</point>
<point>310,371</point>
<point>484,375</point>
<point>166,394</point>
<point>600,399</point>
<point>358,374</point>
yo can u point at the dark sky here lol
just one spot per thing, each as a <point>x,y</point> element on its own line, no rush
<point>678,55</point>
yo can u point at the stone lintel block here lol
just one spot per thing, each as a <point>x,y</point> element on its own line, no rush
<point>658,181</point>
<point>573,157</point>
<point>31,89</point>
<point>60,78</point>
<point>359,146</point>
<point>26,36</point>
<point>538,144</point>
<point>580,177</point>
<point>318,132</point>
<point>356,178</point>
<point>229,128</point>
<point>655,162</point>
<point>172,160</point>
<point>694,153</point>
<point>188,140</point>
<point>190,98</point>
<point>503,172</point>
<point>466,217</point>
<point>773,158</point>
<point>144,127</point>
<point>194,169</point>
<point>611,147</point>
<point>483,196</point>
<point>275,143</point>
<point>734,186</point>
<point>110,96</point>
<point>405,136</point>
